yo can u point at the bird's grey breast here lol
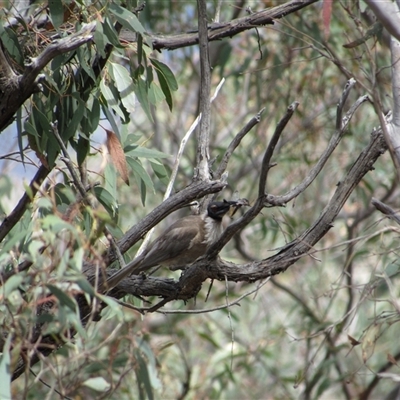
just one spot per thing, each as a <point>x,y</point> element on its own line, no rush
<point>213,230</point>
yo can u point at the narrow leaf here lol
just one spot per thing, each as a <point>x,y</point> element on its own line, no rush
<point>5,370</point>
<point>144,152</point>
<point>107,200</point>
<point>165,70</point>
<point>124,84</point>
<point>56,12</point>
<point>127,19</point>
<point>62,297</point>
<point>141,93</point>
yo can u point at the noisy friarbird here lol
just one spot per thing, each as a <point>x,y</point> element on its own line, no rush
<point>182,243</point>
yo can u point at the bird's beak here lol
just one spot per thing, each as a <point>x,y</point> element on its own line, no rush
<point>235,205</point>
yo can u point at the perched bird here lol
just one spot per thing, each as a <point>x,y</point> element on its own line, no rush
<point>182,243</point>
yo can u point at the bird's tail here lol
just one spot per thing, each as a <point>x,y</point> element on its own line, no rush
<point>115,279</point>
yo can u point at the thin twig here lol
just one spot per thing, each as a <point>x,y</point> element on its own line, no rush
<point>67,160</point>
<point>235,143</point>
<point>333,143</point>
<point>266,166</point>
<point>230,320</point>
<point>385,209</point>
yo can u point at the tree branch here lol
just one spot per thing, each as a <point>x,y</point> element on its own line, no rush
<point>388,13</point>
<point>202,169</point>
<point>333,143</point>
<point>386,210</point>
<point>235,143</point>
<point>26,84</point>
<point>218,31</point>
<point>13,218</point>
<point>204,268</point>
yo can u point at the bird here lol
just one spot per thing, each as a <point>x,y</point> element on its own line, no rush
<point>182,243</point>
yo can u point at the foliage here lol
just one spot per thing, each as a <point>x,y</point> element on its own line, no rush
<point>322,329</point>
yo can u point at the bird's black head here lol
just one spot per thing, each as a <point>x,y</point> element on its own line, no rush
<point>217,209</point>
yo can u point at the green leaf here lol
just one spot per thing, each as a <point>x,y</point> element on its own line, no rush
<point>142,178</point>
<point>99,384</point>
<point>166,89</point>
<point>83,54</point>
<point>86,286</point>
<point>110,33</point>
<point>10,41</point>
<point>100,39</point>
<point>141,172</point>
<point>13,240</point>
<point>94,114</point>
<point>12,283</point>
<point>127,19</point>
<point>52,149</point>
<point>167,80</point>
<point>151,364</point>
<point>124,84</point>
<point>143,377</point>
<point>160,172</point>
<point>107,200</point>
<point>56,12</point>
<point>114,309</point>
<point>5,370</point>
<point>78,110</point>
<point>110,118</point>
<point>110,176</point>
<point>166,72</point>
<point>45,318</point>
<point>141,93</point>
<point>63,298</point>
<point>82,149</point>
<point>144,152</point>
<point>156,95</point>
<point>55,223</point>
<point>110,98</point>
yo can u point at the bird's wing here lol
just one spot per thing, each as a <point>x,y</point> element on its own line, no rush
<point>176,243</point>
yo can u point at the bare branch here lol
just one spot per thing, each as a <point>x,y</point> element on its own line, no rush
<point>218,31</point>
<point>339,111</point>
<point>11,220</point>
<point>235,143</point>
<point>385,209</point>
<point>61,46</point>
<point>290,195</point>
<point>395,57</point>
<point>68,162</point>
<point>202,169</point>
<point>266,166</point>
<point>7,74</point>
<point>392,129</point>
<point>388,13</point>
